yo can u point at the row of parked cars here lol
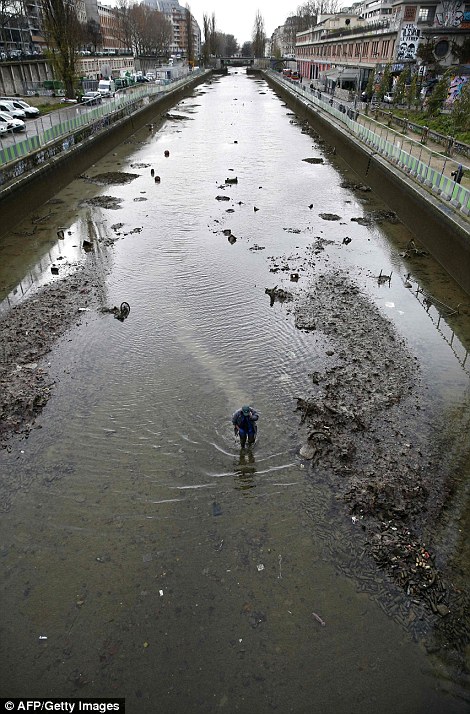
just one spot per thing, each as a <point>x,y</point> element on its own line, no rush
<point>13,112</point>
<point>19,54</point>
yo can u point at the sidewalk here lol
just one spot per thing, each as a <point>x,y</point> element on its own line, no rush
<point>431,153</point>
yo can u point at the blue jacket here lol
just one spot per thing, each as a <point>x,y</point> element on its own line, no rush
<point>245,422</point>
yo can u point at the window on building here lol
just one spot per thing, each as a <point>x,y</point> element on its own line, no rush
<point>426,14</point>
<point>385,47</point>
<point>375,49</point>
<point>357,49</point>
<point>365,49</point>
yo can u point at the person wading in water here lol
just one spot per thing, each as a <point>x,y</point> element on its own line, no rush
<point>244,423</point>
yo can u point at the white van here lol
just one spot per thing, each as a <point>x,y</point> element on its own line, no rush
<point>6,106</point>
<point>106,87</point>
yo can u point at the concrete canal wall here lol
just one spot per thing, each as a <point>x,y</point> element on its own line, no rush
<point>439,228</point>
<point>35,177</point>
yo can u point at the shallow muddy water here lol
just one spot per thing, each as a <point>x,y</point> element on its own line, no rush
<point>160,562</point>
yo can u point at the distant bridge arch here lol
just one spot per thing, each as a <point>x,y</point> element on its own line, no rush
<point>237,61</point>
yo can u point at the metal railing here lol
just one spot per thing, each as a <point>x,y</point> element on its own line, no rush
<point>390,144</point>
<point>129,102</point>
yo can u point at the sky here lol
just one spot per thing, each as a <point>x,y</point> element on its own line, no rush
<point>237,17</point>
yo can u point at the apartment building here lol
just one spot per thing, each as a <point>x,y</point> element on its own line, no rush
<point>177,16</point>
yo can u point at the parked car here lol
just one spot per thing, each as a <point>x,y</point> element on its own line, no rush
<point>388,98</point>
<point>11,123</point>
<point>6,121</point>
<point>3,128</point>
<point>8,107</point>
<point>23,106</point>
<point>91,97</point>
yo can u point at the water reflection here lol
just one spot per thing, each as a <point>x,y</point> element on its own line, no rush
<point>245,470</point>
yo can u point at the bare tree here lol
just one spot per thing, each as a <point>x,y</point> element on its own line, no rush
<point>163,34</point>
<point>92,34</point>
<point>231,47</point>
<point>188,18</point>
<point>306,17</point>
<point>259,36</point>
<point>63,34</point>
<point>206,48</point>
<point>247,49</point>
<point>214,39</point>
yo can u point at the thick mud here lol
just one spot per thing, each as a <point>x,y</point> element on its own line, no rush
<point>28,332</point>
<point>369,440</point>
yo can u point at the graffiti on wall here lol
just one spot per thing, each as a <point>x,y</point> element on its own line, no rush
<point>408,44</point>
<point>451,13</point>
<point>455,89</point>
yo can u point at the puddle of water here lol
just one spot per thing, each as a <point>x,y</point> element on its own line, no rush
<point>137,529</point>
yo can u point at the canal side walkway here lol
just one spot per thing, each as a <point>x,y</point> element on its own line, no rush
<point>423,164</point>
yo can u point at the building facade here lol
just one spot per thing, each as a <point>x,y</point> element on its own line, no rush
<point>177,16</point>
<point>343,49</point>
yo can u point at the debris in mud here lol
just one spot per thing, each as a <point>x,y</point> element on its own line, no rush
<point>293,230</point>
<point>139,199</point>
<point>111,178</point>
<point>382,278</point>
<point>412,250</point>
<point>319,245</point>
<point>117,226</point>
<point>54,270</point>
<point>177,117</point>
<point>140,166</point>
<point>378,217</point>
<point>120,313</point>
<point>231,180</point>
<point>362,188</point>
<point>330,216</point>
<point>314,161</point>
<point>257,247</point>
<point>278,294</point>
<point>222,198</point>
<point>103,202</point>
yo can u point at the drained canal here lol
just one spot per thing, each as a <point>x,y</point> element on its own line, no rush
<point>144,555</point>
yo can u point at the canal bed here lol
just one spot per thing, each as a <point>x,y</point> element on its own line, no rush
<point>144,554</point>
